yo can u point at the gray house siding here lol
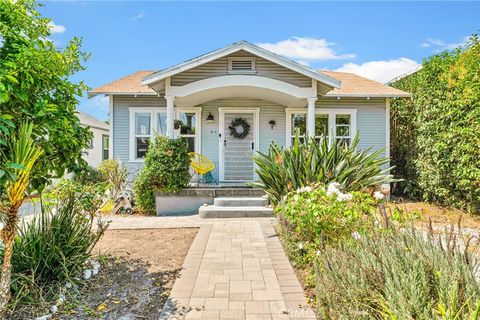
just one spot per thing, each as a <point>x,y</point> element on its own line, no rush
<point>219,67</point>
<point>371,124</point>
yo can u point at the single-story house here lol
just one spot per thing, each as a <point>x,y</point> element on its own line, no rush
<point>99,144</point>
<point>212,99</point>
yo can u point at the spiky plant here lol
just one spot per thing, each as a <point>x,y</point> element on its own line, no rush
<point>19,157</point>
<point>312,162</point>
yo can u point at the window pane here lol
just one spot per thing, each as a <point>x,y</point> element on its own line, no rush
<point>141,146</point>
<point>343,131</point>
<point>188,120</point>
<point>162,124</point>
<point>299,121</point>
<point>105,154</point>
<point>142,123</point>
<point>321,125</point>
<point>105,142</point>
<point>190,141</point>
<point>342,119</point>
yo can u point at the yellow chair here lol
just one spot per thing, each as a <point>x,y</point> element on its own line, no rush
<point>202,166</point>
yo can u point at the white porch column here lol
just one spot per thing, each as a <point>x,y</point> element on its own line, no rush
<point>170,115</point>
<point>311,117</point>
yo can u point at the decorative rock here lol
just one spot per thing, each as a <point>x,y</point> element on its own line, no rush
<point>68,285</point>
<point>87,274</point>
<point>54,308</point>
<point>45,317</point>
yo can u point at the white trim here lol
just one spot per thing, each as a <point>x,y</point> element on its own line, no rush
<point>368,95</point>
<point>133,111</point>
<point>221,127</point>
<point>242,81</point>
<point>331,121</point>
<point>96,93</point>
<point>198,125</point>
<point>387,128</point>
<point>248,47</point>
<point>253,70</point>
<point>110,124</point>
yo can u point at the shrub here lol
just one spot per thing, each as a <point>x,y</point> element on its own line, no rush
<point>398,275</point>
<point>52,250</point>
<point>88,176</point>
<point>166,169</point>
<point>285,169</point>
<point>435,135</point>
<point>318,216</point>
<point>115,173</point>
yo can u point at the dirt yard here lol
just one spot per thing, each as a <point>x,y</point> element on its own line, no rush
<point>138,269</point>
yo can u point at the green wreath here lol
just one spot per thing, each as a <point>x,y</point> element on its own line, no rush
<point>242,124</point>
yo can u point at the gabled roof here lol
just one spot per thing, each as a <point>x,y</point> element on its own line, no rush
<point>131,84</point>
<point>237,46</point>
<point>357,86</point>
<point>351,86</point>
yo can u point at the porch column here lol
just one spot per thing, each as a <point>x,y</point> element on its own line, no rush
<point>170,116</point>
<point>311,117</point>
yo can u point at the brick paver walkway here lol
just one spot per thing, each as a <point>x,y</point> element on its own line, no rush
<point>236,269</point>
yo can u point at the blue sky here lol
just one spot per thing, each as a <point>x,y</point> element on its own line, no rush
<point>379,40</point>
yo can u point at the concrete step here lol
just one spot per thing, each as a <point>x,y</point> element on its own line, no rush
<point>234,212</point>
<point>240,202</point>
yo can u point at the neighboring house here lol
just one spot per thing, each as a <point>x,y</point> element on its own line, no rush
<point>100,143</point>
<point>272,94</point>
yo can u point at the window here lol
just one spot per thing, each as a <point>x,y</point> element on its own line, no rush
<point>105,147</point>
<point>333,124</point>
<point>188,128</point>
<point>91,144</point>
<point>162,123</point>
<point>241,64</point>
<point>142,133</point>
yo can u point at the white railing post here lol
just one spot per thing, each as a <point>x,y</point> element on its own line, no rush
<point>170,116</point>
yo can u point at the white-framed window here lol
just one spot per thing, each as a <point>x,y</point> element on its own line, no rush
<point>188,127</point>
<point>105,146</point>
<point>337,124</point>
<point>241,65</point>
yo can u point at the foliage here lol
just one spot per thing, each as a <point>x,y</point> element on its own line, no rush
<point>35,86</point>
<point>284,169</point>
<point>18,158</point>
<point>89,175</point>
<point>52,249</point>
<point>317,216</point>
<point>401,274</point>
<point>166,169</point>
<point>435,136</point>
<point>90,198</point>
<point>115,173</point>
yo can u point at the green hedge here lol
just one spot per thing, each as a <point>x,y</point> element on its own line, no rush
<point>435,136</point>
<point>166,169</point>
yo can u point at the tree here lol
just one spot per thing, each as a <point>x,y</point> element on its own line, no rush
<point>35,87</point>
<point>18,159</point>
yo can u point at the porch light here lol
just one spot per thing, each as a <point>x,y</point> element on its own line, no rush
<point>272,123</point>
<point>210,118</point>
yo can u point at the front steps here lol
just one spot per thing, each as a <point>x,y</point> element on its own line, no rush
<point>236,207</point>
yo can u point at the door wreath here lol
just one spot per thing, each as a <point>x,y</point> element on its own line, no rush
<point>239,128</point>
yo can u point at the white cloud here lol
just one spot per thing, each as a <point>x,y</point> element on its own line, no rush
<point>55,28</point>
<point>99,102</point>
<point>383,70</point>
<point>441,45</point>
<point>306,50</point>
<point>137,16</point>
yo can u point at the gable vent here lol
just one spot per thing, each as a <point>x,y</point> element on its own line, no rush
<point>241,64</point>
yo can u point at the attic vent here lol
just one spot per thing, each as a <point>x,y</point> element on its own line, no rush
<point>241,65</point>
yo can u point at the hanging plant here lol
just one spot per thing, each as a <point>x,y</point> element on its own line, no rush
<point>177,124</point>
<point>239,128</point>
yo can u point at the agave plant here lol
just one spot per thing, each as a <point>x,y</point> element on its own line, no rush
<point>319,162</point>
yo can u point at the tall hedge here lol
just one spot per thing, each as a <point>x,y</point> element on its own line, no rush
<point>436,135</point>
<point>166,169</point>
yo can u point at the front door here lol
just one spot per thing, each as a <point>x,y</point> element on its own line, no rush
<point>238,139</point>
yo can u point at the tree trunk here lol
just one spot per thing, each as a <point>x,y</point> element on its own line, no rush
<point>8,237</point>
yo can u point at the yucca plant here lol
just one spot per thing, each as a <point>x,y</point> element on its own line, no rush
<point>19,157</point>
<point>313,162</point>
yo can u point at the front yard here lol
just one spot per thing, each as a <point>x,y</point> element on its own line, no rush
<point>138,269</point>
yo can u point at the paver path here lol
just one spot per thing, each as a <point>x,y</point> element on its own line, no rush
<point>236,269</point>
